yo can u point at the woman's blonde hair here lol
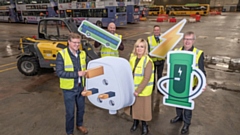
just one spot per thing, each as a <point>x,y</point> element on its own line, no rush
<point>140,40</point>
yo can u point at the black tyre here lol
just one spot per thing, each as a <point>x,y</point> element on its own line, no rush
<point>9,20</point>
<point>99,24</point>
<point>28,66</point>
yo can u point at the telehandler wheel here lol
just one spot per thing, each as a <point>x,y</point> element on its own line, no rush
<point>28,66</point>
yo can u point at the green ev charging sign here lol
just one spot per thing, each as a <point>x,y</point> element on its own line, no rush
<point>180,80</point>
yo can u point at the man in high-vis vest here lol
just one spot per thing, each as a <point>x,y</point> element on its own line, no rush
<point>185,114</point>
<point>70,68</point>
<point>108,51</point>
<point>153,41</point>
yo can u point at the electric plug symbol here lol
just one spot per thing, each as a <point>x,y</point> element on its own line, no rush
<point>179,71</point>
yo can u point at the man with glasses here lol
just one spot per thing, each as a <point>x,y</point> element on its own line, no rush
<point>70,68</point>
<point>105,51</point>
<point>185,114</point>
<point>154,41</point>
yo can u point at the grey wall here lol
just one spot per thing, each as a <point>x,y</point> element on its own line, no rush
<point>180,2</point>
<point>211,2</point>
<point>223,2</point>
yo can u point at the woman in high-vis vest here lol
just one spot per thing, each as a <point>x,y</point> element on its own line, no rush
<point>142,69</point>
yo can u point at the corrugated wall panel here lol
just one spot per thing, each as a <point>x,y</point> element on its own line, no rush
<point>179,2</point>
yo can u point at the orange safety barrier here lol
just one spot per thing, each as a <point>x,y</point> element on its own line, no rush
<point>197,17</point>
<point>159,19</point>
<point>162,17</point>
<point>173,19</point>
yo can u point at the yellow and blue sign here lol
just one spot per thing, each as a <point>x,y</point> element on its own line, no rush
<point>100,35</point>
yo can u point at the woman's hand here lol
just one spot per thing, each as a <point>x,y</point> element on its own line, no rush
<point>136,94</point>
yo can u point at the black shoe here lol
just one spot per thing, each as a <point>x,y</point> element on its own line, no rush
<point>176,119</point>
<point>135,125</point>
<point>144,128</point>
<point>184,129</point>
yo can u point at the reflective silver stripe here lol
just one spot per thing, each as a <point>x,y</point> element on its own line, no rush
<point>150,83</point>
<point>63,51</point>
<point>152,47</point>
<point>150,41</point>
<point>68,66</point>
<point>83,66</point>
<point>138,74</point>
<point>113,53</point>
<point>197,51</point>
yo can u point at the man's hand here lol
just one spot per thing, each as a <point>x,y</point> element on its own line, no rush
<point>81,73</point>
<point>84,93</point>
<point>205,87</point>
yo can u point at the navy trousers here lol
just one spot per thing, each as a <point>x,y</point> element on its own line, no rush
<point>185,114</point>
<point>73,98</point>
<point>158,70</point>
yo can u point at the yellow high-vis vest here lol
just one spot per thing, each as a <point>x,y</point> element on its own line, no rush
<point>139,74</point>
<point>68,83</point>
<point>152,44</point>
<point>108,51</point>
<point>198,54</point>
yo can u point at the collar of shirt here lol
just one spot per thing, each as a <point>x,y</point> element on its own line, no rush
<point>76,55</point>
<point>191,49</point>
<point>157,38</point>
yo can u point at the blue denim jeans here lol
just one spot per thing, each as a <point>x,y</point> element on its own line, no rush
<point>71,98</point>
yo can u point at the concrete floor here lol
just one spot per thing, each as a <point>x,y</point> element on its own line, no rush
<point>34,105</point>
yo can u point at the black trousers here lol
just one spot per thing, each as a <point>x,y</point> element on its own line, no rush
<point>158,70</point>
<point>185,114</point>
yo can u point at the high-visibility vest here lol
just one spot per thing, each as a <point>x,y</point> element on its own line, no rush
<point>139,74</point>
<point>198,54</point>
<point>152,44</point>
<point>108,51</point>
<point>68,83</point>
